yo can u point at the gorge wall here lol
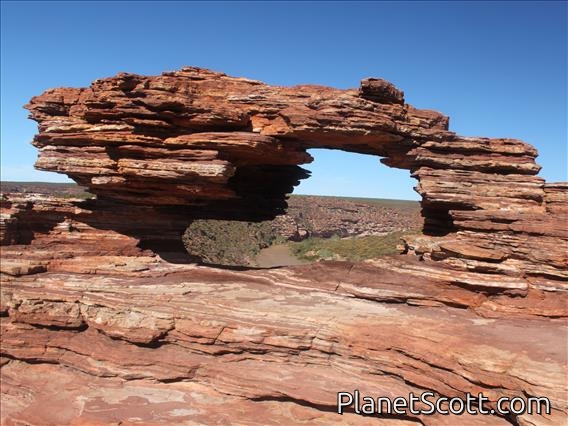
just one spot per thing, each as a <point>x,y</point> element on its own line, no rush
<point>97,297</point>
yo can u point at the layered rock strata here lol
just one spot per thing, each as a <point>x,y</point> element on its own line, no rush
<point>103,323</point>
<point>198,143</point>
<point>96,338</point>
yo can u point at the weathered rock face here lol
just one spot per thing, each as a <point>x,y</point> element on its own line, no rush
<point>195,137</point>
<point>102,338</point>
<point>195,143</point>
<point>97,328</point>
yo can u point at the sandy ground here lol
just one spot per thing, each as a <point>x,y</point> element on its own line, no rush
<point>277,255</point>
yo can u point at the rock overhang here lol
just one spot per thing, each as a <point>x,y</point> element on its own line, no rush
<point>197,143</point>
<point>191,132</point>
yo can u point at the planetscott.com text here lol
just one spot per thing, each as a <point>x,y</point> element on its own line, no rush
<point>427,403</point>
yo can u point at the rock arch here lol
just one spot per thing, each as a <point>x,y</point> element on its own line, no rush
<point>197,143</point>
<point>482,308</point>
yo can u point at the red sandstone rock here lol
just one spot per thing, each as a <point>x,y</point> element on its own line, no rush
<point>230,148</point>
<point>381,91</point>
<point>289,335</point>
<point>102,322</point>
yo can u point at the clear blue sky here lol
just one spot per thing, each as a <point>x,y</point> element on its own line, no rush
<point>497,69</point>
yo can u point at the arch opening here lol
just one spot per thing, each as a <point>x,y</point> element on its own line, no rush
<point>350,174</point>
<point>348,206</point>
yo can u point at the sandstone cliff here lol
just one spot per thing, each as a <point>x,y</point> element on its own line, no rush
<point>98,304</point>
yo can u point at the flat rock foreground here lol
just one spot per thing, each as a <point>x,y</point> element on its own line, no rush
<point>104,321</point>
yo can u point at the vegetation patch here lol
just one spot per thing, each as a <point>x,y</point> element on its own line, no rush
<point>226,242</point>
<point>352,248</point>
<point>328,228</point>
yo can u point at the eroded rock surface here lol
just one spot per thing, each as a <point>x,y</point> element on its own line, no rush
<point>142,341</point>
<point>103,322</point>
<point>196,143</point>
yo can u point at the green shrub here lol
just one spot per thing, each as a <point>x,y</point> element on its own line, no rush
<point>227,242</point>
<point>352,249</point>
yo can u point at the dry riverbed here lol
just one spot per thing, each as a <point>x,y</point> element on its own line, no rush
<point>277,255</point>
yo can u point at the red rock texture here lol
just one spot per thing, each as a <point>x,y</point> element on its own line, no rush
<point>102,322</point>
<point>201,143</point>
<point>135,339</point>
